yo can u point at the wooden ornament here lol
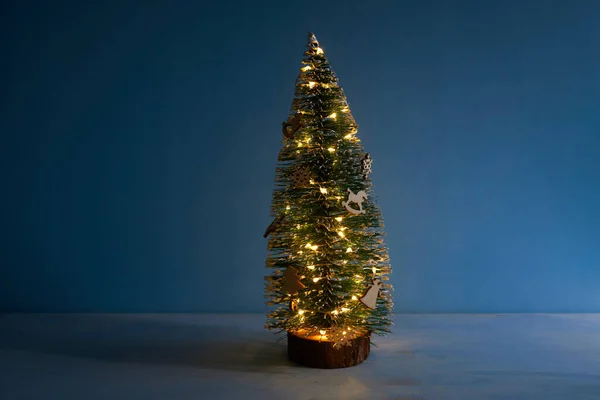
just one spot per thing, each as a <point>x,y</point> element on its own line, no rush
<point>291,126</point>
<point>291,281</point>
<point>274,225</point>
<point>300,177</point>
<point>369,299</point>
<point>356,198</point>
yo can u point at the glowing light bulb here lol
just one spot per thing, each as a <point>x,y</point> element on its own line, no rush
<point>322,332</point>
<point>339,219</point>
<point>287,207</point>
<point>315,280</point>
<point>319,50</point>
<point>344,309</point>
<point>345,109</point>
<point>323,190</point>
<point>348,136</point>
<point>300,312</point>
<point>310,266</point>
<point>331,149</point>
<point>299,144</point>
<point>354,298</point>
<point>312,84</point>
<point>307,68</point>
<point>335,312</point>
<point>312,182</point>
<point>341,233</point>
<point>374,270</point>
<point>349,250</point>
<point>333,116</point>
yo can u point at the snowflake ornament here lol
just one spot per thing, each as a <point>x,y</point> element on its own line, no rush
<point>366,166</point>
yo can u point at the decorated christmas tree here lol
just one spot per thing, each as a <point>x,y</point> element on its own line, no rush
<point>329,265</point>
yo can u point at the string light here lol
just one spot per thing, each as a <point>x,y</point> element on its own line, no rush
<point>310,266</point>
<point>307,68</point>
<point>341,233</point>
<point>348,136</point>
<point>315,280</point>
<point>300,312</point>
<point>354,298</point>
<point>331,149</point>
<point>319,50</point>
<point>349,250</point>
<point>287,207</point>
<point>339,219</point>
<point>312,84</point>
<point>332,116</point>
<point>323,190</point>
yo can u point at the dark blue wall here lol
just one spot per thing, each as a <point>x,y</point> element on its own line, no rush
<point>139,142</point>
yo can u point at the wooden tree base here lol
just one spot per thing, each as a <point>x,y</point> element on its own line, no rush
<point>314,354</point>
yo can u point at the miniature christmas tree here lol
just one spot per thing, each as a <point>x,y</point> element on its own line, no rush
<point>328,286</point>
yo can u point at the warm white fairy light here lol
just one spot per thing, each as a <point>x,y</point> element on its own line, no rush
<point>349,250</point>
<point>319,50</point>
<point>310,266</point>
<point>312,182</point>
<point>312,84</point>
<point>338,219</point>
<point>287,207</point>
<point>315,280</point>
<point>332,116</point>
<point>323,190</point>
<point>311,246</point>
<point>300,312</point>
<point>348,136</point>
<point>331,149</point>
<point>341,233</point>
<point>307,68</point>
<point>354,297</point>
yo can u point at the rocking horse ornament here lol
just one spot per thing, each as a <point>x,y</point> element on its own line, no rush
<point>356,198</point>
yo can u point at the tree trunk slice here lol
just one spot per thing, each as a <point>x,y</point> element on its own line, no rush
<point>314,354</point>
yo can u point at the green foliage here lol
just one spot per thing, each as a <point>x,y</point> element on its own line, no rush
<point>334,276</point>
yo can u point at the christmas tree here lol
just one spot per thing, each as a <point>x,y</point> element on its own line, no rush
<point>329,264</point>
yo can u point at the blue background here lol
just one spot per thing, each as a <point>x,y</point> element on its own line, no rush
<point>139,143</point>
